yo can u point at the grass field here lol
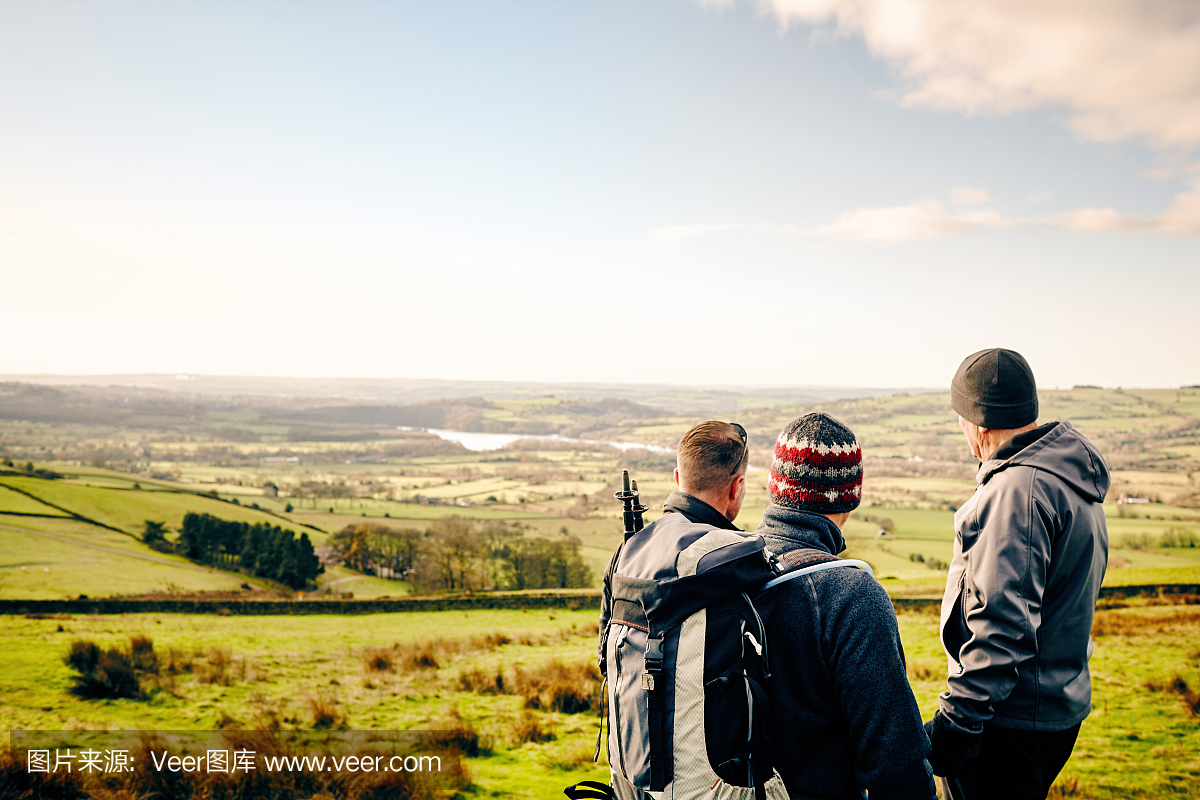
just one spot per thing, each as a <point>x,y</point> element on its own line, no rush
<point>128,509</point>
<point>910,560</point>
<point>260,672</point>
<point>35,567</point>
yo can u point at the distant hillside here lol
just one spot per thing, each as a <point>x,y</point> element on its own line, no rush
<point>407,391</point>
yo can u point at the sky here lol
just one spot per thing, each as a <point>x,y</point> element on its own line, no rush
<point>737,193</point>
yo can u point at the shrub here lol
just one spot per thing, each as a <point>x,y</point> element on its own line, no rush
<point>1177,685</point>
<point>108,673</point>
<point>142,655</point>
<point>325,712</point>
<point>1138,541</point>
<point>528,728</point>
<point>460,734</point>
<point>481,682</point>
<point>1179,537</point>
<point>378,659</point>
<point>569,688</point>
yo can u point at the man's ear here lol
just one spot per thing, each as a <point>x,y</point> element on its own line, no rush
<point>677,477</point>
<point>735,485</point>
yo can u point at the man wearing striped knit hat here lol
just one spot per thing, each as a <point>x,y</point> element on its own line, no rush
<point>844,718</point>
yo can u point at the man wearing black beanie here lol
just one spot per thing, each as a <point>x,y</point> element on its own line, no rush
<point>1030,550</point>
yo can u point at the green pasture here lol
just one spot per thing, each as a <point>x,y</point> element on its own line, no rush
<point>35,567</point>
<point>279,663</point>
<point>341,580</point>
<point>128,509</point>
<point>87,534</point>
<point>14,502</point>
<point>1139,740</point>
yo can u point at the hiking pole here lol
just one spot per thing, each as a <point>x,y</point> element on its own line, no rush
<point>632,511</point>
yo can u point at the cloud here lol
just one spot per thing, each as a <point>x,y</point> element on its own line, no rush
<point>929,218</point>
<point>1182,218</point>
<point>1122,69</point>
<point>925,219</point>
<point>966,196</point>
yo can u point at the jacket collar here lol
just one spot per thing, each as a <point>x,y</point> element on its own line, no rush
<point>791,529</point>
<point>696,511</point>
<point>1019,442</point>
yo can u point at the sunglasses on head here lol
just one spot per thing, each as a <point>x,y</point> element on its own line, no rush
<point>745,447</point>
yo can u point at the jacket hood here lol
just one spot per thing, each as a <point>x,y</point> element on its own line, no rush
<point>1064,452</point>
<point>799,529</point>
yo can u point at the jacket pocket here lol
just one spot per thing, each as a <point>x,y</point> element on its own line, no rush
<point>955,633</point>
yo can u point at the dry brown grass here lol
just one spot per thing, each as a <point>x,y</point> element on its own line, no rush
<point>926,670</point>
<point>216,665</point>
<point>1178,686</point>
<point>575,755</point>
<point>528,728</point>
<point>428,654</point>
<point>378,659</point>
<point>571,688</point>
<point>459,733</point>
<point>1135,622</point>
<point>567,687</point>
<point>480,682</point>
<point>327,713</point>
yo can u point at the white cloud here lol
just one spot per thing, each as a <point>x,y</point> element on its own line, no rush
<point>1182,218</point>
<point>1123,69</point>
<point>925,219</point>
<point>928,218</point>
<point>966,196</point>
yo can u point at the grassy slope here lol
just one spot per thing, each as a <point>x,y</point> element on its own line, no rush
<point>34,567</point>
<point>128,509</point>
<point>15,502</point>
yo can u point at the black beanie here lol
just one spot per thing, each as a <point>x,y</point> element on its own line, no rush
<point>995,389</point>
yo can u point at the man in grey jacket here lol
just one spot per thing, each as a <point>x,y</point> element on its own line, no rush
<point>1030,550</point>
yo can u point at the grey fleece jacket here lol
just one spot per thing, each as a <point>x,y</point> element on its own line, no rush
<point>1030,550</point>
<point>844,718</point>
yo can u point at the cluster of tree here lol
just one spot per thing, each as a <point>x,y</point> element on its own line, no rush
<point>268,551</point>
<point>461,554</point>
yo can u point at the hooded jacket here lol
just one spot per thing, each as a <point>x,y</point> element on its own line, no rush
<point>844,718</point>
<point>1030,550</point>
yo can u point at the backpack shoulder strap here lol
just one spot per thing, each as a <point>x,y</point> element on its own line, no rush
<point>807,561</point>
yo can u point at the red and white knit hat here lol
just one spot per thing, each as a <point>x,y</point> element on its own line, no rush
<point>817,466</point>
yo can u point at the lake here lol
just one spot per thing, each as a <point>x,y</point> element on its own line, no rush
<point>494,441</point>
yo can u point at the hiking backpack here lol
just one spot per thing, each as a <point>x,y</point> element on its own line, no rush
<point>686,661</point>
